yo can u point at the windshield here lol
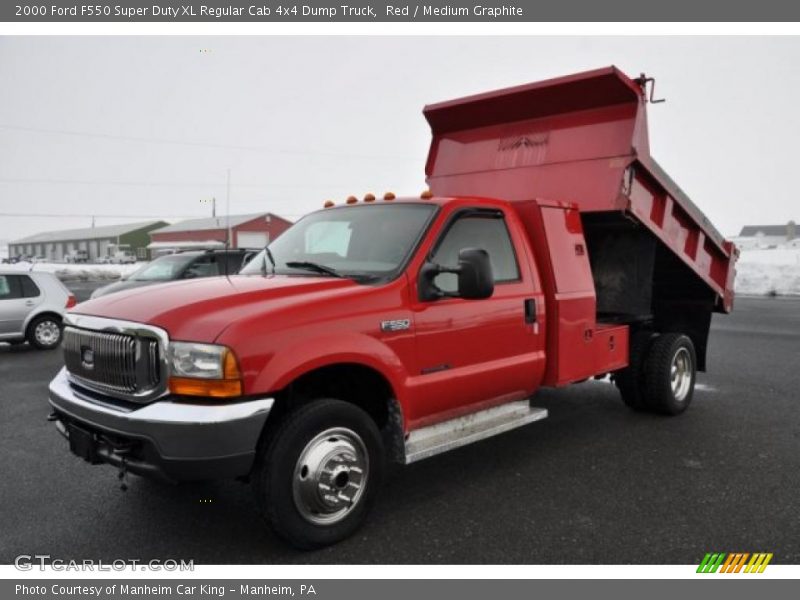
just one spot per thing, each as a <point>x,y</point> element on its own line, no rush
<point>362,242</point>
<point>165,268</point>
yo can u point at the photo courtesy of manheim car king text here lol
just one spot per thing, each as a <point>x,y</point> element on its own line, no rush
<point>330,306</point>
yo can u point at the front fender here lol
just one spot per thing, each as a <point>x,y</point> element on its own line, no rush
<point>353,348</point>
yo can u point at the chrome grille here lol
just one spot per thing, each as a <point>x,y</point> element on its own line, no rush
<point>119,363</point>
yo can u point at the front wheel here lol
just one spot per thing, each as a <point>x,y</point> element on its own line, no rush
<point>319,474</point>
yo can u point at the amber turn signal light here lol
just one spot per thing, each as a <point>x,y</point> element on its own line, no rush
<point>209,388</point>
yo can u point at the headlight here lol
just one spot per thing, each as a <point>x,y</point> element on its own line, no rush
<point>203,370</point>
<point>197,360</point>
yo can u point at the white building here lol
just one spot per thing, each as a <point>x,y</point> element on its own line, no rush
<point>767,236</point>
<point>96,241</point>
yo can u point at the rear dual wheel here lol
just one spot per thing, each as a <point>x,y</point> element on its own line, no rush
<point>630,380</point>
<point>661,374</point>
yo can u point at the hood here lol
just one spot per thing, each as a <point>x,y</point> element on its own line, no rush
<point>200,309</point>
<point>120,286</point>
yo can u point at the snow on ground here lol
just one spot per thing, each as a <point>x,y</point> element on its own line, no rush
<point>769,271</point>
<point>77,272</point>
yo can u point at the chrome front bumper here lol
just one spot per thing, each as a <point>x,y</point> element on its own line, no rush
<point>171,440</point>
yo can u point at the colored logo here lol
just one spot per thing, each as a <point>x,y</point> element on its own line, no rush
<point>735,562</point>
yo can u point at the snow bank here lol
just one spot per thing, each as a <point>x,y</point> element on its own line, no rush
<point>769,271</point>
<point>78,272</point>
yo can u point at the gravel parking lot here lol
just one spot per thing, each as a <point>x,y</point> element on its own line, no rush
<point>594,483</point>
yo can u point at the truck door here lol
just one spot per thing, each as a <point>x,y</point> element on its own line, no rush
<point>478,351</point>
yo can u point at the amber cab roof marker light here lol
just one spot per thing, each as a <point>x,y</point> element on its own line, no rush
<point>389,196</point>
<point>329,204</point>
<point>352,200</point>
<point>426,195</point>
<point>369,198</point>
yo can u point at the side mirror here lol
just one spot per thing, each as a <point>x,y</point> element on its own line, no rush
<point>475,277</point>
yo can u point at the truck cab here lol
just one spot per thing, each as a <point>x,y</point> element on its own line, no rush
<point>549,249</point>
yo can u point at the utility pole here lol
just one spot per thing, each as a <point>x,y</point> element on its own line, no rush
<point>213,202</point>
<point>228,207</point>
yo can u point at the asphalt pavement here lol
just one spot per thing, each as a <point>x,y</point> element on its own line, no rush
<point>593,483</point>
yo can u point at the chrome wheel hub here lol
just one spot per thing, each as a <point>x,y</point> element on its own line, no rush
<point>681,374</point>
<point>47,333</point>
<point>330,476</point>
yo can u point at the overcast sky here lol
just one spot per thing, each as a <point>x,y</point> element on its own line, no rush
<point>148,126</point>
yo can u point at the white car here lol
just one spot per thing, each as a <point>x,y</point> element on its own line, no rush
<point>77,256</point>
<point>119,258</point>
<point>32,305</point>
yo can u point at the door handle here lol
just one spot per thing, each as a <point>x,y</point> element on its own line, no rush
<point>530,310</point>
<point>29,303</point>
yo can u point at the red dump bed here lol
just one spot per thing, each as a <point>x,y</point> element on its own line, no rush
<point>581,139</point>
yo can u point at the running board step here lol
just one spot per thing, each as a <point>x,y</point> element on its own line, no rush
<point>429,441</point>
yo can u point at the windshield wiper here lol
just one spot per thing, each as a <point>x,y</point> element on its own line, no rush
<point>267,255</point>
<point>312,266</point>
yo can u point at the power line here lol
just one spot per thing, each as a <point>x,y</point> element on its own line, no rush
<point>199,144</point>
<point>107,216</point>
<point>99,216</point>
<point>145,183</point>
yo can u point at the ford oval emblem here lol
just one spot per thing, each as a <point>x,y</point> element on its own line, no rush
<point>87,358</point>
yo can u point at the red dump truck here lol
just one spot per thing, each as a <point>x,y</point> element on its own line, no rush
<point>551,248</point>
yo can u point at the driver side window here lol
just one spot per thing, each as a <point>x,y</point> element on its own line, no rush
<point>207,266</point>
<point>486,231</point>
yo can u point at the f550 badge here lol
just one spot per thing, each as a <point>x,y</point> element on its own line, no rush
<point>396,325</point>
<point>735,562</point>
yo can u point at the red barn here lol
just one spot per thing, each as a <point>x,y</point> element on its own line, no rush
<point>246,231</point>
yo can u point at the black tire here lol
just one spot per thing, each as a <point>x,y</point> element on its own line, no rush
<point>278,473</point>
<point>53,325</point>
<point>668,351</point>
<point>630,380</point>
